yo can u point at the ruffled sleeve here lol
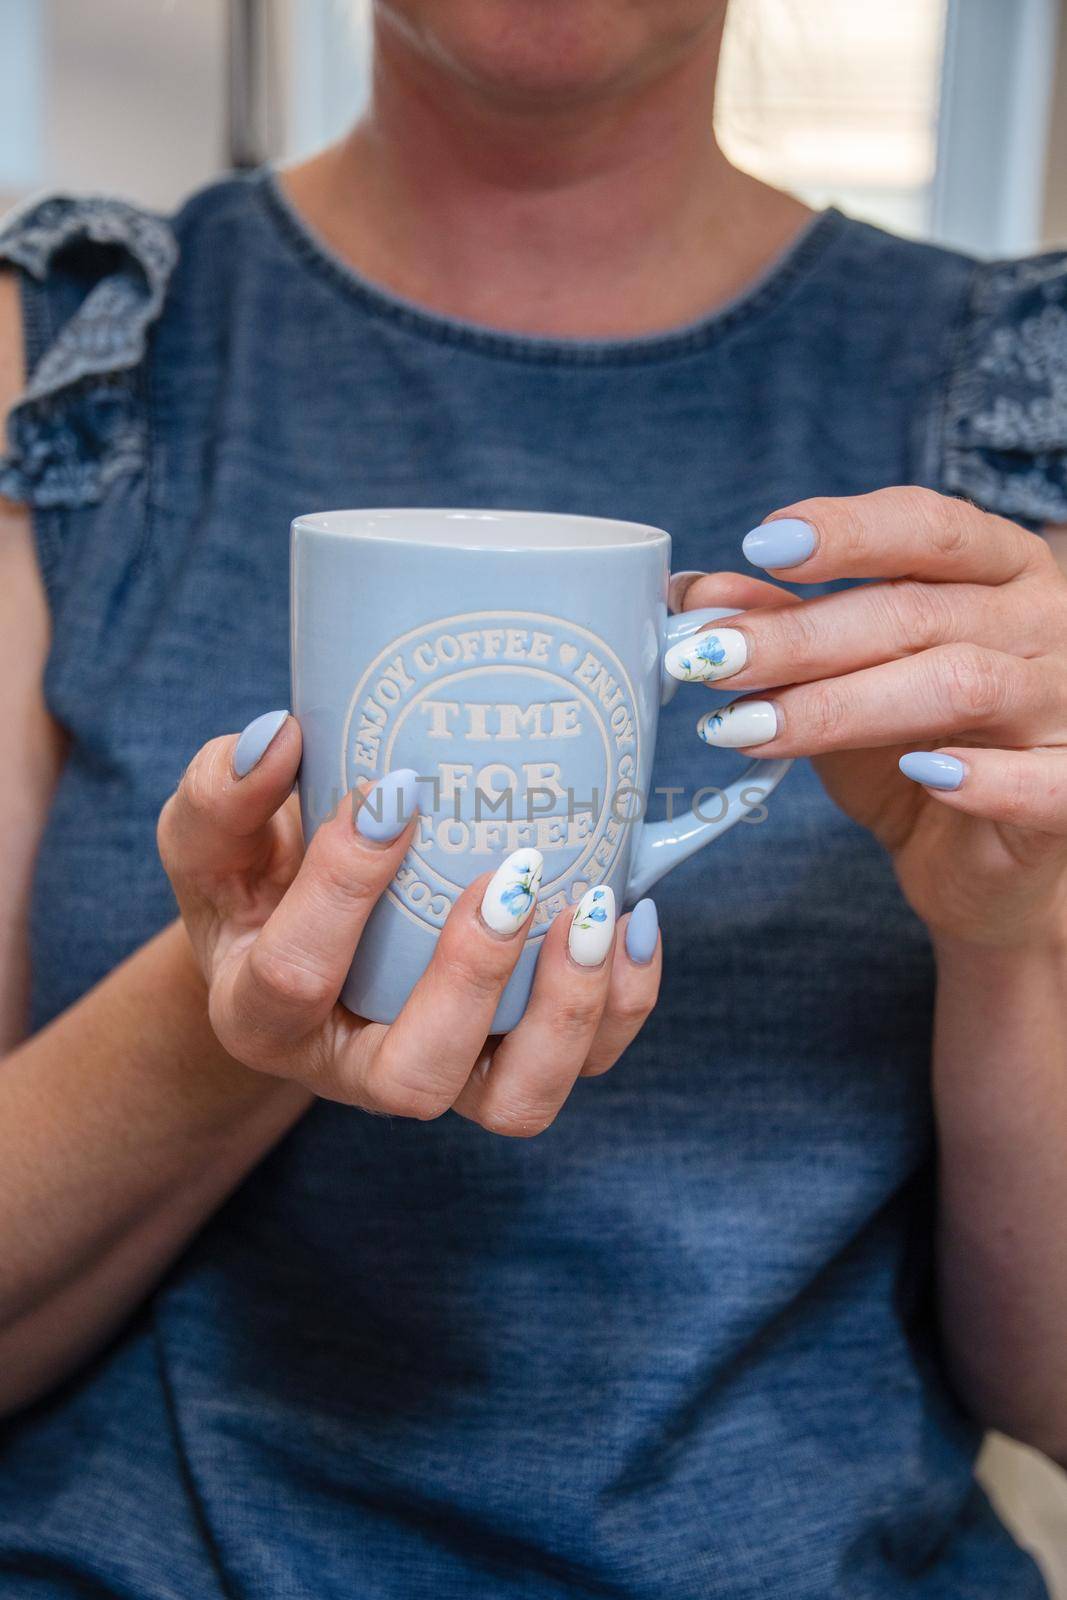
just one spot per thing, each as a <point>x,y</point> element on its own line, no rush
<point>1005,440</point>
<point>95,274</point>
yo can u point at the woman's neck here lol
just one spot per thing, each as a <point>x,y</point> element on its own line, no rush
<point>613,216</point>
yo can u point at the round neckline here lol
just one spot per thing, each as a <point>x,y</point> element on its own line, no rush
<point>765,291</point>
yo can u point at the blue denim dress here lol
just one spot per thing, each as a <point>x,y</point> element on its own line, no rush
<point>680,1347</point>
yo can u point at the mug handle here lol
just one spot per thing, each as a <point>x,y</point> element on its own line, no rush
<point>662,845</point>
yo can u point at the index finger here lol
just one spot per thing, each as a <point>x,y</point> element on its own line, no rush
<point>286,982</point>
<point>892,533</point>
<point>420,1064</point>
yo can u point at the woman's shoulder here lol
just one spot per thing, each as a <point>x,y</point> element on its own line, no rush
<point>992,335</point>
<point>878,267</point>
<point>34,233</point>
<point>96,275</point>
<point>1006,399</point>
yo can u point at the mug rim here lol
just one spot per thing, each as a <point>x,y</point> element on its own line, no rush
<point>374,525</point>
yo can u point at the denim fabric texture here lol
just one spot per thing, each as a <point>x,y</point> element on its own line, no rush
<point>680,1347</point>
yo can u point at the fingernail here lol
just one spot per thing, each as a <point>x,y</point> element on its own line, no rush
<point>706,657</point>
<point>387,808</point>
<point>740,724</point>
<point>252,745</point>
<point>936,772</point>
<point>785,542</point>
<point>592,927</point>
<point>679,583</point>
<point>642,932</point>
<point>512,891</point>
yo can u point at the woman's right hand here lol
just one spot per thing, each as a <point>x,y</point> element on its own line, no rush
<point>274,928</point>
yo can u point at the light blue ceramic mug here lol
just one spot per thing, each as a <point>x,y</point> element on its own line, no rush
<point>514,661</point>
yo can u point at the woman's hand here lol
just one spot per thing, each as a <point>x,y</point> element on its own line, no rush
<point>959,647</point>
<point>274,929</point>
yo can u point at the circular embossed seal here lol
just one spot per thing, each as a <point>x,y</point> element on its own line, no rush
<point>524,731</point>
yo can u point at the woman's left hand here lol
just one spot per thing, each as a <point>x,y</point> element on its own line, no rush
<point>958,648</point>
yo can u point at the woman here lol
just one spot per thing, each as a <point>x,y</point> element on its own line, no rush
<point>714,1332</point>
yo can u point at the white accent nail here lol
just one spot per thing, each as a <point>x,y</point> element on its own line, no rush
<point>511,893</point>
<point>592,927</point>
<point>706,657</point>
<point>740,724</point>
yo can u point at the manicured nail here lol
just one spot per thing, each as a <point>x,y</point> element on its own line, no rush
<point>936,772</point>
<point>387,808</point>
<point>706,657</point>
<point>252,745</point>
<point>592,927</point>
<point>785,542</point>
<point>512,891</point>
<point>679,583</point>
<point>740,724</point>
<point>642,932</point>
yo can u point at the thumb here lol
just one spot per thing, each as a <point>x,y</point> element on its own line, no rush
<point>218,820</point>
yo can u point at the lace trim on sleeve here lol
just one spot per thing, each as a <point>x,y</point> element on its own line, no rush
<point>80,423</point>
<point>1007,407</point>
<point>1006,418</point>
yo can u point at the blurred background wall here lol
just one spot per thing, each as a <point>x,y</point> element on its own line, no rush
<point>946,119</point>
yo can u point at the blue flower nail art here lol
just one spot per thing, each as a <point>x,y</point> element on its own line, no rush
<point>518,897</point>
<point>593,913</point>
<point>706,657</point>
<point>511,893</point>
<point>592,927</point>
<point>709,648</point>
<point>740,724</point>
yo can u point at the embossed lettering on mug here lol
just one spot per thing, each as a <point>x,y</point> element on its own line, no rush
<point>526,724</point>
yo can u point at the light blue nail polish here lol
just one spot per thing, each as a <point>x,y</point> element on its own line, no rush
<point>936,772</point>
<point>786,542</point>
<point>386,810</point>
<point>642,932</point>
<point>252,745</point>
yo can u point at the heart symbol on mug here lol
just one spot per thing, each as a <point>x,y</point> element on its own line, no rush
<point>567,653</point>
